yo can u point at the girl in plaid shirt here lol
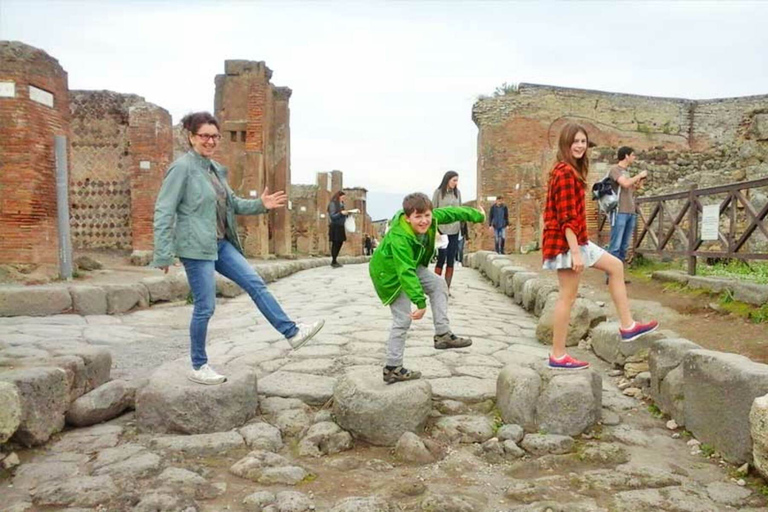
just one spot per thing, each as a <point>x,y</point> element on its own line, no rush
<point>567,249</point>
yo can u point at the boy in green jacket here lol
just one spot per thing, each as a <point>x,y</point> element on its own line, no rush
<point>399,273</point>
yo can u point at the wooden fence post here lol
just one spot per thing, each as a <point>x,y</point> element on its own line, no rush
<point>693,229</point>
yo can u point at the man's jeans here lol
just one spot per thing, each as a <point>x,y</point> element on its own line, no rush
<point>202,282</point>
<point>499,237</point>
<point>621,234</point>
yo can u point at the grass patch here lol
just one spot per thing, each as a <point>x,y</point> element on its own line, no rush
<point>498,422</point>
<point>655,411</point>
<point>755,272</point>
<point>707,450</point>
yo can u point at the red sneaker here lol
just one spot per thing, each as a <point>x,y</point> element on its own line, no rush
<point>567,363</point>
<point>638,330</point>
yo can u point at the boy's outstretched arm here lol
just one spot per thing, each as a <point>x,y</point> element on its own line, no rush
<point>451,214</point>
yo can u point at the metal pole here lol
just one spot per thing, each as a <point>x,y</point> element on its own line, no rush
<point>62,207</point>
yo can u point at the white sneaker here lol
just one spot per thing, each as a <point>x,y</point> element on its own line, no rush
<point>206,375</point>
<point>306,332</point>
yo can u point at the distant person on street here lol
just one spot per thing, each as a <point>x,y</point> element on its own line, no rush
<point>624,217</point>
<point>498,219</point>
<point>463,237</point>
<point>400,276</point>
<point>448,194</point>
<point>567,249</point>
<point>337,235</point>
<point>195,220</point>
<point>368,245</point>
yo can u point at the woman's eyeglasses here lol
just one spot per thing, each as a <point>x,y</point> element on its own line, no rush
<point>215,137</point>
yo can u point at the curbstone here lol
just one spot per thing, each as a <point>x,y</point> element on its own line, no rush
<point>28,301</point>
<point>719,389</point>
<point>88,300</point>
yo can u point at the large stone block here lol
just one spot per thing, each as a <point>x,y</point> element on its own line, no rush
<point>495,269</point>
<point>670,276</point>
<point>379,413</point>
<point>480,258</point>
<point>122,298</point>
<point>751,293</point>
<point>607,344</point>
<point>103,403</point>
<point>665,355</point>
<point>518,281</point>
<point>171,403</point>
<point>159,288</point>
<point>88,300</point>
<point>541,399</point>
<point>542,295</point>
<point>97,364</point>
<point>227,288</point>
<point>179,286</point>
<point>719,390</point>
<point>44,397</point>
<point>711,284</point>
<point>672,395</point>
<point>578,325</point>
<point>10,410</point>
<point>506,279</point>
<point>758,427</point>
<point>28,301</point>
<point>531,290</point>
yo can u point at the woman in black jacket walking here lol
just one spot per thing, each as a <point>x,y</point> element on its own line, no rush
<point>337,235</point>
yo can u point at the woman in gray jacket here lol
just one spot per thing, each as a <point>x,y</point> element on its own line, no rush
<point>195,220</point>
<point>448,195</point>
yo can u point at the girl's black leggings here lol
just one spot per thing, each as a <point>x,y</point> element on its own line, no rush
<point>447,256</point>
<point>335,250</point>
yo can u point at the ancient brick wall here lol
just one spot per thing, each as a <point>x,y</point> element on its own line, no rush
<point>121,147</point>
<point>255,119</point>
<point>34,108</point>
<point>680,142</point>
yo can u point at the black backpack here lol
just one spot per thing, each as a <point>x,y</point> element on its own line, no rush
<point>605,194</point>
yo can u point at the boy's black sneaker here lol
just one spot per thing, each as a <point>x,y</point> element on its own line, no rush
<point>400,374</point>
<point>450,340</point>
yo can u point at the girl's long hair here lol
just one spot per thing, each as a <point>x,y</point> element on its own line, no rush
<point>448,176</point>
<point>336,198</point>
<point>567,136</point>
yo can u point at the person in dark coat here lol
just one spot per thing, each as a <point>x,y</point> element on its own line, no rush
<point>337,235</point>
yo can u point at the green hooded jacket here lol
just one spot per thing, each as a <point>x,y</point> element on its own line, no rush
<point>394,262</point>
<point>185,211</point>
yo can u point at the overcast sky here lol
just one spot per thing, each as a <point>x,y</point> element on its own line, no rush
<point>384,90</point>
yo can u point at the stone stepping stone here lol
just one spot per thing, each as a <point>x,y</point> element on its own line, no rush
<point>463,389</point>
<point>171,403</point>
<point>312,389</point>
<point>541,399</point>
<point>379,413</point>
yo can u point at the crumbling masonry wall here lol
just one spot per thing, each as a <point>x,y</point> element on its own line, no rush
<point>255,125</point>
<point>680,142</point>
<point>34,108</point>
<point>121,147</point>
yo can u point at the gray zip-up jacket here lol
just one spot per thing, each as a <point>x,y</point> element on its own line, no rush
<point>185,211</point>
<point>440,201</point>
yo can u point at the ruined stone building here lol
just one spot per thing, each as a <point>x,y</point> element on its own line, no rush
<point>680,142</point>
<point>255,125</point>
<point>309,226</point>
<point>119,147</point>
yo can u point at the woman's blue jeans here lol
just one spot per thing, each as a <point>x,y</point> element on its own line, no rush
<point>202,281</point>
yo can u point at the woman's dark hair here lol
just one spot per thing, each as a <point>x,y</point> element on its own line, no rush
<point>336,198</point>
<point>194,120</point>
<point>448,176</point>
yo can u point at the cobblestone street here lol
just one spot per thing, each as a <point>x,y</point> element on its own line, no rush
<point>631,461</point>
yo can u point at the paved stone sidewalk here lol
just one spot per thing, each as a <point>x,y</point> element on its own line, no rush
<point>630,462</point>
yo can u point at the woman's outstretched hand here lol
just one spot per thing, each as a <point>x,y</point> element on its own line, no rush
<point>276,200</point>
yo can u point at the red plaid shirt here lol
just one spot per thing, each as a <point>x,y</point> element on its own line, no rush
<point>565,208</point>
